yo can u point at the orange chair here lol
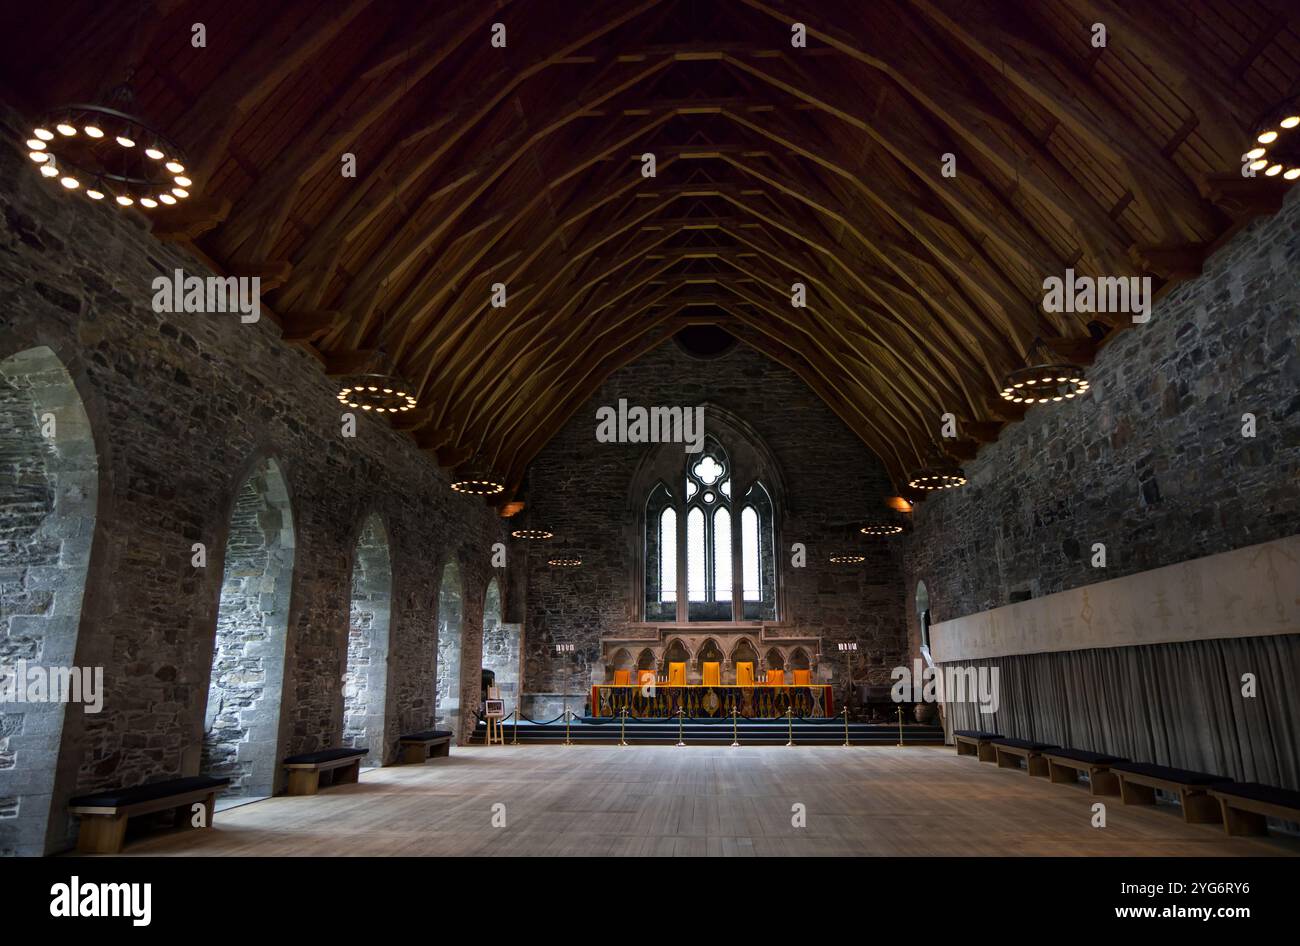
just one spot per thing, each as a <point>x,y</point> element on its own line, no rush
<point>645,677</point>
<point>745,673</point>
<point>622,678</point>
<point>677,674</point>
<point>712,673</point>
<point>776,677</point>
<point>802,678</point>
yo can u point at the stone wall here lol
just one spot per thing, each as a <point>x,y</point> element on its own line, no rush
<point>579,489</point>
<point>182,407</point>
<point>1151,463</point>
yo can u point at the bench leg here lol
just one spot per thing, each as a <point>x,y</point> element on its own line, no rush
<point>441,751</point>
<point>1037,766</point>
<point>1200,808</point>
<point>412,755</point>
<point>1007,760</point>
<point>965,748</point>
<point>304,781</point>
<point>348,774</point>
<point>1103,783</point>
<point>1060,773</point>
<point>101,834</point>
<point>1135,794</point>
<point>1238,822</point>
<point>987,752</point>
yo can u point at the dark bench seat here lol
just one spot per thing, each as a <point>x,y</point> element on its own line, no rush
<point>309,771</point>
<point>976,743</point>
<point>104,815</point>
<point>430,744</point>
<point>1064,765</point>
<point>1011,751</point>
<point>1247,806</point>
<point>1138,782</point>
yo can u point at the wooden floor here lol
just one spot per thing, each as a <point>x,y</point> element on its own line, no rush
<point>660,800</point>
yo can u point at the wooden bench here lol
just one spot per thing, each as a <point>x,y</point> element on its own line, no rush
<point>421,746</point>
<point>309,772</point>
<point>1247,806</point>
<point>1011,751</point>
<point>1138,782</point>
<point>1064,765</point>
<point>104,815</point>
<point>976,743</point>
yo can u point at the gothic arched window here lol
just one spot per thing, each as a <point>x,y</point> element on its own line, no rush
<point>709,552</point>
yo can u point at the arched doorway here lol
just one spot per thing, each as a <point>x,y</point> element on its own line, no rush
<point>450,609</point>
<point>365,685</point>
<point>923,615</point>
<point>49,489</point>
<point>500,648</point>
<point>241,721</point>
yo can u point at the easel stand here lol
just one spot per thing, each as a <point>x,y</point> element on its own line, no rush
<point>495,735</point>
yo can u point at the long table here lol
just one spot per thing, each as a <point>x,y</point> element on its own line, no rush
<point>754,701</point>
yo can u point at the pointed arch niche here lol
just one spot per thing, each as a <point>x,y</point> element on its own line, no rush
<point>707,529</point>
<point>450,610</point>
<point>500,647</point>
<point>241,721</point>
<point>49,490</point>
<point>365,684</point>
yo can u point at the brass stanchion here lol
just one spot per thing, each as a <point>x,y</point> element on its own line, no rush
<point>514,738</point>
<point>622,730</point>
<point>789,716</point>
<point>681,742</point>
<point>900,727</point>
<point>735,732</point>
<point>846,727</point>
<point>567,717</point>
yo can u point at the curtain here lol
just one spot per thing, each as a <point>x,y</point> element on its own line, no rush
<point>1179,704</point>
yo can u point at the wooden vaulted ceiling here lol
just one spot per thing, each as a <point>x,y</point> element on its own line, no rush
<point>775,165</point>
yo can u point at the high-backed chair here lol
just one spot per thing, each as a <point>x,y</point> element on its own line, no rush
<point>802,678</point>
<point>776,676</point>
<point>712,673</point>
<point>677,674</point>
<point>645,677</point>
<point>622,678</point>
<point>745,673</point>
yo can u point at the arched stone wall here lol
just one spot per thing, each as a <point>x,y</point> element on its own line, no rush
<point>241,720</point>
<point>450,627</point>
<point>49,490</point>
<point>365,682</point>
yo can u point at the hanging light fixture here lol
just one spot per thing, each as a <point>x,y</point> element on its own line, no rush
<point>104,150</point>
<point>1039,384</point>
<point>380,392</point>
<point>1275,142</point>
<point>536,534</point>
<point>933,478</point>
<point>477,480</point>
<point>568,562</point>
<point>847,558</point>
<point>881,528</point>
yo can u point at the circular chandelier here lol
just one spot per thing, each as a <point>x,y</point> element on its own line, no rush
<point>937,479</point>
<point>532,534</point>
<point>1275,148</point>
<point>1039,384</point>
<point>847,559</point>
<point>477,482</point>
<point>881,528</point>
<point>109,154</point>
<point>381,393</point>
<point>565,562</point>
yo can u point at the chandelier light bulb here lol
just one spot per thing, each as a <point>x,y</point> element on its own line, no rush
<point>35,144</point>
<point>1267,138</point>
<point>174,166</point>
<point>44,134</point>
<point>38,156</point>
<point>148,202</point>
<point>65,129</point>
<point>71,183</point>
<point>167,198</point>
<point>180,192</point>
<point>124,200</point>
<point>183,181</point>
<point>125,142</point>
<point>1290,121</point>
<point>94,131</point>
<point>49,170</point>
<point>153,153</point>
<point>1274,171</point>
<point>94,193</point>
<point>1292,174</point>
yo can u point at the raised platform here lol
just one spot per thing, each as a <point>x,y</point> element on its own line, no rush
<point>590,730</point>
